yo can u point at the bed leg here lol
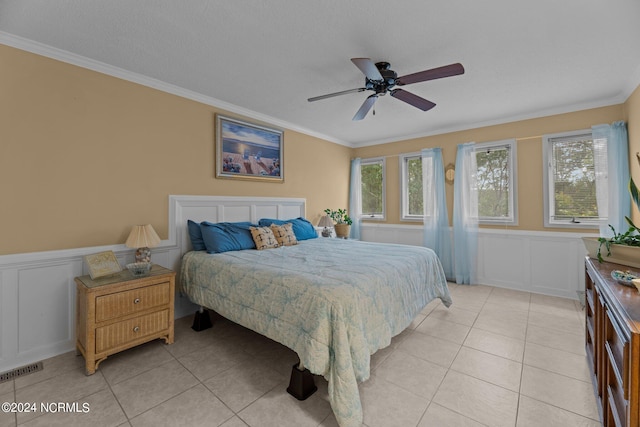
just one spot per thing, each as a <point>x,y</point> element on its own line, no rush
<point>301,384</point>
<point>201,320</point>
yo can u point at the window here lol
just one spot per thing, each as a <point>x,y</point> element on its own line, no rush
<point>373,184</point>
<point>496,180</point>
<point>570,180</point>
<point>411,186</point>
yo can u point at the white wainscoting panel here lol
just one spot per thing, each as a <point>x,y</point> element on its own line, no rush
<point>496,253</point>
<point>549,263</point>
<point>391,233</point>
<point>559,266</point>
<point>45,323</point>
<point>37,290</point>
<point>37,301</point>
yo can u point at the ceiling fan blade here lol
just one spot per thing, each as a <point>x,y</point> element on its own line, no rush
<point>368,68</point>
<point>412,99</point>
<point>331,95</point>
<point>434,73</point>
<point>366,106</point>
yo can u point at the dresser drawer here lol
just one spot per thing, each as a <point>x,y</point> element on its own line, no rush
<point>124,303</point>
<point>121,333</point>
<point>617,406</point>
<point>617,347</point>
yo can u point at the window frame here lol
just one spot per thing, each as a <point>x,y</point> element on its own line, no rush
<point>374,217</point>
<point>547,179</point>
<point>512,219</point>
<point>404,187</point>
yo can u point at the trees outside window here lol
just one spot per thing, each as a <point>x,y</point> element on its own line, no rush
<point>373,183</point>
<point>496,180</point>
<point>570,180</point>
<point>411,183</point>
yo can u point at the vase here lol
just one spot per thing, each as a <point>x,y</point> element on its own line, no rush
<point>342,230</point>
<point>620,254</point>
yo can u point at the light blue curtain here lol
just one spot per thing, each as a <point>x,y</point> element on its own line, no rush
<point>611,142</point>
<point>465,215</point>
<point>437,235</point>
<point>355,198</point>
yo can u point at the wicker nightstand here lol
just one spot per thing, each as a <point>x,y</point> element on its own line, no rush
<point>121,311</point>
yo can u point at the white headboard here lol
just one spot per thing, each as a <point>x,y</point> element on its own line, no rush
<point>228,209</point>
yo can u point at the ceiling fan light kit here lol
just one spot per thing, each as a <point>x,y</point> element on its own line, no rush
<point>381,79</point>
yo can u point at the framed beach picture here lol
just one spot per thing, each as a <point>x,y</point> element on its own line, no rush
<point>248,151</point>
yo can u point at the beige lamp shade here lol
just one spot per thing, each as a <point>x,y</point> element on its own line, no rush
<point>325,221</point>
<point>142,236</point>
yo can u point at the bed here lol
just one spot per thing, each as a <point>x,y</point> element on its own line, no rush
<point>334,302</point>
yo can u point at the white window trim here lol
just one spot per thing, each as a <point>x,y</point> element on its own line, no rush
<point>513,175</point>
<point>547,180</point>
<point>364,215</point>
<point>404,202</point>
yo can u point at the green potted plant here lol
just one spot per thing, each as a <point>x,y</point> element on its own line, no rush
<point>342,222</point>
<point>622,248</point>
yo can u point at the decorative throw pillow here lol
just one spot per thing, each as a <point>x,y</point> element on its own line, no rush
<point>263,238</point>
<point>303,229</point>
<point>284,234</point>
<point>226,236</point>
<point>197,242</point>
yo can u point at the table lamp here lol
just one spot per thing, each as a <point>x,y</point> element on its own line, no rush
<point>143,237</point>
<point>327,223</point>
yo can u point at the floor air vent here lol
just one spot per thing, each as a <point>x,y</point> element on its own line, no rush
<point>20,372</point>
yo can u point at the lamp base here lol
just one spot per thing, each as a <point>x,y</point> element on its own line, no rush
<point>143,255</point>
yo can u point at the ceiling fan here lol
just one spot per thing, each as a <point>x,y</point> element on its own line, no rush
<point>381,79</point>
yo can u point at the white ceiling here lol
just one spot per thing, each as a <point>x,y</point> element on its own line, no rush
<point>523,59</point>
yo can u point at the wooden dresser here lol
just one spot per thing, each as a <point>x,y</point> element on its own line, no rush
<point>120,311</point>
<point>613,344</point>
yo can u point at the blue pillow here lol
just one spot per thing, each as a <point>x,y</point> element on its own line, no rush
<point>197,243</point>
<point>302,228</point>
<point>227,236</point>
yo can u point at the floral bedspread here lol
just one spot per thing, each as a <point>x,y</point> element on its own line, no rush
<point>334,302</point>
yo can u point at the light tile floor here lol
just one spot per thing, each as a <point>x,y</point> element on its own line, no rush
<point>497,357</point>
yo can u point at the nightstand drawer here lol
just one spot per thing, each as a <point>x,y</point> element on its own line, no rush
<point>118,334</point>
<point>123,303</point>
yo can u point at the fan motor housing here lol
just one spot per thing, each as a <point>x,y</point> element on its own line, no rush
<point>388,81</point>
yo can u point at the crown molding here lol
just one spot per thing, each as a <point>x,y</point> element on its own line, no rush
<point>110,70</point>
<point>619,99</point>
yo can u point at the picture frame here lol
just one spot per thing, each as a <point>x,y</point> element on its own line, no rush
<point>102,264</point>
<point>248,151</point>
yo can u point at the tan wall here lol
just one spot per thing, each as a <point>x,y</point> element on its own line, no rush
<point>632,117</point>
<point>84,156</point>
<point>71,141</point>
<point>528,134</point>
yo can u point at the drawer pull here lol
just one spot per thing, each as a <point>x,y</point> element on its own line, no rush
<point>136,329</point>
<point>136,301</point>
